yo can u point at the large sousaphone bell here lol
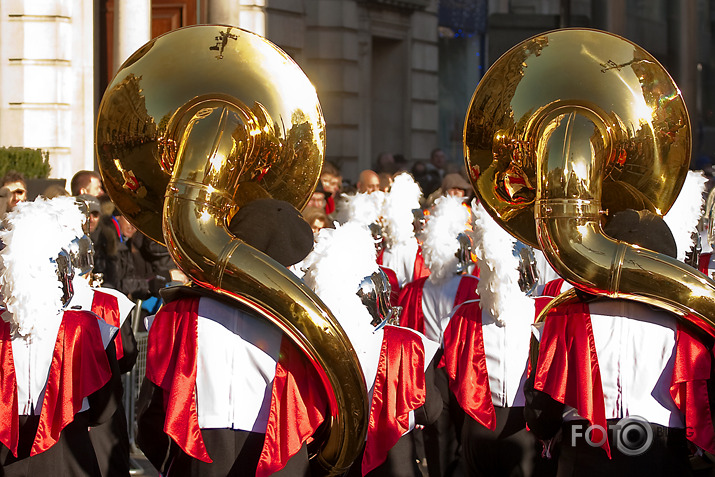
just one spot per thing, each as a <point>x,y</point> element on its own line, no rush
<point>569,126</point>
<point>197,123</point>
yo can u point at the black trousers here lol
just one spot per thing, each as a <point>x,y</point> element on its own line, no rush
<point>665,455</point>
<point>234,454</point>
<point>72,455</point>
<point>401,461</point>
<point>509,450</point>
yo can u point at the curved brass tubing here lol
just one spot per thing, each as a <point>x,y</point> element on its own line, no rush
<point>196,124</point>
<point>575,124</point>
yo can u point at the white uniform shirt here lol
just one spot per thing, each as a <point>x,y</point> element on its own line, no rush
<point>506,349</point>
<point>401,259</point>
<point>635,345</point>
<point>438,302</point>
<point>32,356</point>
<point>236,362</point>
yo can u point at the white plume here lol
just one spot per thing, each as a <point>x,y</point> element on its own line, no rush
<point>447,219</point>
<point>684,216</point>
<point>334,269</point>
<point>498,267</point>
<point>36,232</point>
<point>397,216</point>
<point>362,208</point>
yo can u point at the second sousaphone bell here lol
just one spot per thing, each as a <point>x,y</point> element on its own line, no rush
<point>571,125</point>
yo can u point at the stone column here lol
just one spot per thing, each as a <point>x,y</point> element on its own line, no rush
<point>609,15</point>
<point>250,15</point>
<point>132,28</point>
<point>686,73</point>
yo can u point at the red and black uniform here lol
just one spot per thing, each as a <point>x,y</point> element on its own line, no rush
<point>398,364</point>
<point>605,363</point>
<point>225,393</point>
<point>54,386</point>
<point>111,439</point>
<point>486,361</point>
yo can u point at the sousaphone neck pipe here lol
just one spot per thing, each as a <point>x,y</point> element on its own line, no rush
<point>203,192</point>
<point>573,146</point>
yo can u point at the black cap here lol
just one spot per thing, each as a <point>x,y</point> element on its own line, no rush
<point>274,227</point>
<point>643,228</point>
<point>91,201</point>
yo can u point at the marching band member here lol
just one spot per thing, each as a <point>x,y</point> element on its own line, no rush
<point>60,373</point>
<point>447,251</point>
<point>397,362</point>
<point>447,254</point>
<point>227,393</point>
<point>366,209</point>
<point>486,353</point>
<point>624,382</point>
<point>110,439</point>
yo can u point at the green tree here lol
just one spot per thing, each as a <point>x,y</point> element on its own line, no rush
<point>32,163</point>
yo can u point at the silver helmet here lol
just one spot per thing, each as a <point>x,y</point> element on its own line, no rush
<point>378,236</point>
<point>528,271</point>
<point>464,254</point>
<point>65,274</point>
<point>374,292</point>
<point>81,252</point>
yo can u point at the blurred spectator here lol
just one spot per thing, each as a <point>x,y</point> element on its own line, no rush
<point>385,163</point>
<point>385,181</point>
<point>94,211</point>
<point>154,266</point>
<point>317,219</point>
<point>368,181</point>
<point>87,182</point>
<point>438,161</point>
<point>54,190</point>
<point>319,198</point>
<point>106,206</point>
<point>17,185</point>
<point>332,182</point>
<point>120,260</point>
<point>401,164</point>
<point>427,177</point>
<point>453,184</point>
<point>4,201</point>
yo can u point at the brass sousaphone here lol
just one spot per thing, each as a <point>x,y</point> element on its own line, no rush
<point>197,123</point>
<point>571,125</point>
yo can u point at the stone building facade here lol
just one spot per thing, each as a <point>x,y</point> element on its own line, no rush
<point>391,75</point>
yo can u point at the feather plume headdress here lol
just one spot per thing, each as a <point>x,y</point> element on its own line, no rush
<point>684,216</point>
<point>448,218</point>
<point>340,260</point>
<point>498,267</point>
<point>362,208</point>
<point>397,216</point>
<point>35,234</point>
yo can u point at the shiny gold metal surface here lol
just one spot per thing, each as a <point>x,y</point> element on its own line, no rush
<point>573,124</point>
<point>197,123</point>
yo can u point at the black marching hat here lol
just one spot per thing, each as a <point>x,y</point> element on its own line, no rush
<point>274,227</point>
